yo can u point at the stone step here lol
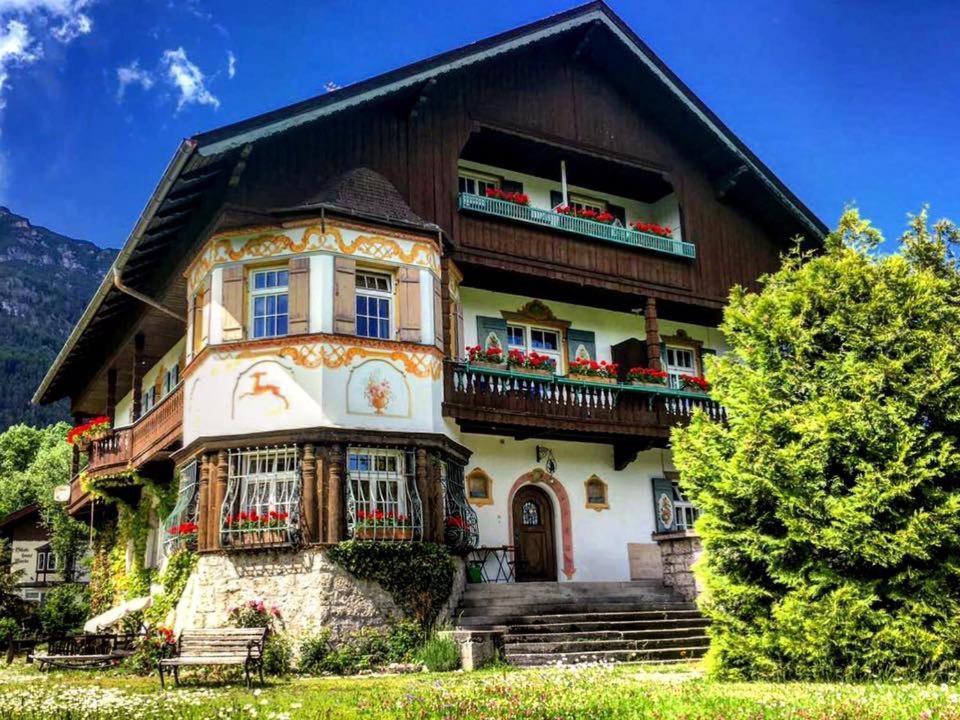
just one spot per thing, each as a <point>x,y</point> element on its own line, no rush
<point>653,632</point>
<point>553,608</point>
<point>568,588</point>
<point>565,645</point>
<point>633,599</point>
<point>659,655</point>
<point>478,616</point>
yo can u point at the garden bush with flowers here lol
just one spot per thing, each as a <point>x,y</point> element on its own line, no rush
<point>830,498</point>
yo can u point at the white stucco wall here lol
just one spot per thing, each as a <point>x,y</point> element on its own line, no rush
<point>665,211</point>
<point>600,537</point>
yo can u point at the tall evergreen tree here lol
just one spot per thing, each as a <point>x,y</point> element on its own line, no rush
<point>831,498</point>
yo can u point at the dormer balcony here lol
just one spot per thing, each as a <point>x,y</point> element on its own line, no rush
<point>613,232</point>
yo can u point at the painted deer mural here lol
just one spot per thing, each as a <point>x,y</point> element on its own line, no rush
<point>260,388</point>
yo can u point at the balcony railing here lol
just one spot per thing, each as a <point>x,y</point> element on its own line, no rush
<point>577,225</point>
<point>501,397</point>
<point>137,443</point>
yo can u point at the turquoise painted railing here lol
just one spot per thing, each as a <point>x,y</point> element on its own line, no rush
<point>580,226</point>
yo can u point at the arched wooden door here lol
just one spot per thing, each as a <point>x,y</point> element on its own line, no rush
<point>533,535</point>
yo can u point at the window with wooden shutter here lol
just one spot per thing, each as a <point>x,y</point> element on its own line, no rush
<point>200,302</point>
<point>233,294</point>
<point>409,297</point>
<point>299,291</point>
<point>437,314</point>
<point>344,300</point>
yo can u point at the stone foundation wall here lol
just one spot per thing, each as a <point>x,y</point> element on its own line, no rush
<point>311,591</point>
<point>678,552</point>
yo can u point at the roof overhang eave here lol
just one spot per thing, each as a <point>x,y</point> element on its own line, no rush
<point>170,175</point>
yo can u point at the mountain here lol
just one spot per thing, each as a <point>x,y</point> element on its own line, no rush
<point>46,281</point>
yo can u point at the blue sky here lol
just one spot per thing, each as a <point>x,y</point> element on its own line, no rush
<point>846,101</point>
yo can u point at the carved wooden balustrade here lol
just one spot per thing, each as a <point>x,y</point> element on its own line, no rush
<point>491,397</point>
<point>138,443</point>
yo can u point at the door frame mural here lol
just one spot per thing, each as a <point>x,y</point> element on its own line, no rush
<point>554,487</point>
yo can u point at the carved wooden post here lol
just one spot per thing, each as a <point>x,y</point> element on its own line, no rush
<point>111,406</point>
<point>437,503</point>
<point>653,334</point>
<point>424,491</point>
<point>202,503</point>
<point>218,495</point>
<point>139,342</point>
<point>308,476</point>
<point>334,494</point>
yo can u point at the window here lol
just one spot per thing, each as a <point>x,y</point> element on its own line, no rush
<point>170,379</point>
<point>476,183</point>
<point>46,561</point>
<point>596,490</point>
<point>180,526</point>
<point>148,399</point>
<point>686,512</point>
<point>268,302</point>
<point>382,503</point>
<point>374,297</point>
<point>530,514</point>
<point>541,341</point>
<point>262,502</point>
<point>680,361</point>
<point>479,487</point>
<point>579,202</point>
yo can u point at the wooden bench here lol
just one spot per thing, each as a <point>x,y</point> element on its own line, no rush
<point>223,646</point>
<point>76,652</point>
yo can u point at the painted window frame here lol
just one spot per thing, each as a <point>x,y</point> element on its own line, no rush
<point>584,202</point>
<point>476,177</point>
<point>674,371</point>
<point>389,295</point>
<point>528,330</point>
<point>276,291</point>
<point>685,513</point>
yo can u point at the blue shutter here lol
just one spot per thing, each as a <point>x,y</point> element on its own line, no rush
<point>663,507</point>
<point>489,325</point>
<point>576,338</point>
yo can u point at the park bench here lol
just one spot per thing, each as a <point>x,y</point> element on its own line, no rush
<point>222,646</point>
<point>75,652</point>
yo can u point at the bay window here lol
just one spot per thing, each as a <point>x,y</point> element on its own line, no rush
<point>382,498</point>
<point>269,310</point>
<point>374,305</point>
<point>262,502</point>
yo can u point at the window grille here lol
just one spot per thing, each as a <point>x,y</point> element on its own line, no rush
<point>382,498</point>
<point>456,506</point>
<point>180,526</point>
<point>262,504</point>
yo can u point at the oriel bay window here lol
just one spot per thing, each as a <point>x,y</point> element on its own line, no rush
<point>180,526</point>
<point>269,310</point>
<point>382,498</point>
<point>374,304</point>
<point>262,501</point>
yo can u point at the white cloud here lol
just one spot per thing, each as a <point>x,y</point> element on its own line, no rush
<point>17,47</point>
<point>69,16</point>
<point>187,78</point>
<point>133,74</point>
<point>231,64</point>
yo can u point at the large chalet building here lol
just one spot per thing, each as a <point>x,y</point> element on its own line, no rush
<point>288,330</point>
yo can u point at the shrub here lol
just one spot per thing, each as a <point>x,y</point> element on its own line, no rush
<point>314,651</point>
<point>439,654</point>
<point>255,614</point>
<point>365,649</point>
<point>418,576</point>
<point>64,609</point>
<point>155,644</point>
<point>277,654</point>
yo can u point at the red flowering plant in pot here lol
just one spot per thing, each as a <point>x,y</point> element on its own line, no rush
<point>694,383</point>
<point>646,376</point>
<point>456,535</point>
<point>380,525</point>
<point>184,534</point>
<point>491,357</point>
<point>252,527</point>
<point>531,363</point>
<point>652,229</point>
<point>83,435</point>
<point>593,371</point>
<point>517,198</point>
<point>600,216</point>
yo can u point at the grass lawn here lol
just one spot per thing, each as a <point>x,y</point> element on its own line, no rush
<point>587,692</point>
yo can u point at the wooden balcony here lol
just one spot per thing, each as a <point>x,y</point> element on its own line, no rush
<point>503,402</point>
<point>141,442</point>
<point>580,226</point>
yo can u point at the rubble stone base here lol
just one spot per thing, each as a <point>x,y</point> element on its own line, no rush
<point>678,552</point>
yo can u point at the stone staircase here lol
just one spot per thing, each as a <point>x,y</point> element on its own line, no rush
<point>548,623</point>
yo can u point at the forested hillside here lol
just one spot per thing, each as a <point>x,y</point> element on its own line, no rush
<point>46,280</point>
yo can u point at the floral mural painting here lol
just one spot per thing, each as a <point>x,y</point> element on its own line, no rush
<point>379,388</point>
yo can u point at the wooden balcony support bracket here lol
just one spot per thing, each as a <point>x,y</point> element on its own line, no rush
<point>217,497</point>
<point>311,511</point>
<point>335,477</point>
<point>652,333</point>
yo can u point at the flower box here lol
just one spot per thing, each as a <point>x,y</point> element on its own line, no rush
<point>382,533</point>
<point>593,379</point>
<point>651,385</point>
<point>694,383</point>
<point>484,365</point>
<point>533,372</point>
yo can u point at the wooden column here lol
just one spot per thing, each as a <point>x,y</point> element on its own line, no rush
<point>653,334</point>
<point>75,456</point>
<point>308,476</point>
<point>111,406</point>
<point>438,503</point>
<point>423,489</point>
<point>139,342</point>
<point>203,505</point>
<point>218,495</point>
<point>335,479</point>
